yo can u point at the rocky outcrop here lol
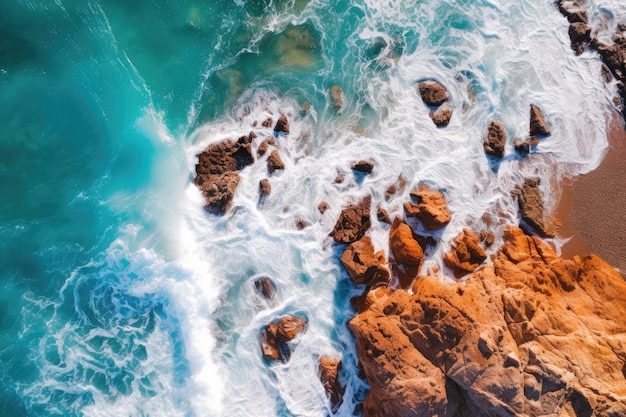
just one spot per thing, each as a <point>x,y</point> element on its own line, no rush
<point>264,146</point>
<point>580,36</point>
<point>329,369</point>
<point>441,117</point>
<point>531,207</point>
<point>432,93</point>
<point>382,215</point>
<point>406,251</point>
<point>532,335</point>
<point>363,166</point>
<point>353,222</point>
<point>216,171</point>
<point>277,334</point>
<point>282,125</point>
<point>495,139</point>
<point>431,208</point>
<point>574,10</point>
<point>265,188</point>
<point>538,125</point>
<point>363,265</point>
<point>274,162</point>
<point>465,255</point>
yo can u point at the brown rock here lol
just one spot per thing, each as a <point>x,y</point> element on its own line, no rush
<point>329,369</point>
<point>495,139</point>
<point>265,188</point>
<point>531,207</point>
<point>302,224</point>
<point>487,238</point>
<point>382,215</point>
<point>274,162</point>
<point>337,96</point>
<point>267,122</point>
<point>363,166</point>
<point>431,208</point>
<point>282,125</point>
<point>276,334</point>
<point>441,117</point>
<point>228,155</point>
<point>465,255</point>
<point>363,265</point>
<point>218,190</point>
<point>353,222</point>
<point>323,206</point>
<point>531,335</point>
<point>404,247</point>
<point>265,288</point>
<point>575,11</point>
<point>264,146</point>
<point>580,36</point>
<point>340,178</point>
<point>433,93</point>
<point>538,125</point>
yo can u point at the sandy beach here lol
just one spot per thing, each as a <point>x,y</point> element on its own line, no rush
<point>596,203</point>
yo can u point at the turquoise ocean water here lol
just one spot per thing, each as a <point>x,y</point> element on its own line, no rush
<point>120,296</point>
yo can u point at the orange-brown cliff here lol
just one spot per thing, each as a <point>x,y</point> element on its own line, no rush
<point>532,335</point>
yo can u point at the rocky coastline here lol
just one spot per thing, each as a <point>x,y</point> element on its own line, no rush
<point>521,333</point>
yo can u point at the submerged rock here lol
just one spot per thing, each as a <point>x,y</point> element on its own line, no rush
<point>382,215</point>
<point>465,255</point>
<point>265,188</point>
<point>396,188</point>
<point>529,336</point>
<point>264,146</point>
<point>432,93</point>
<point>431,208</point>
<point>265,288</point>
<point>322,207</point>
<point>353,222</point>
<point>363,265</point>
<point>218,190</point>
<point>495,139</point>
<point>336,94</point>
<point>329,369</point>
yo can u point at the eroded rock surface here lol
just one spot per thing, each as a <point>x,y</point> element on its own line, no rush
<point>531,207</point>
<point>441,117</point>
<point>532,335</point>
<point>495,139</point>
<point>276,334</point>
<point>466,254</point>
<point>363,265</point>
<point>538,125</point>
<point>406,251</point>
<point>329,369</point>
<point>353,222</point>
<point>431,208</point>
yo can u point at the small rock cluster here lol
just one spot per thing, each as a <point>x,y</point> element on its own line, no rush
<point>435,95</point>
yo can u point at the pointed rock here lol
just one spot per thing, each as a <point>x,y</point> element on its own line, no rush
<point>538,125</point>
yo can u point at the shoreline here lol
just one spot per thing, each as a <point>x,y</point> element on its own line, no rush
<point>592,205</point>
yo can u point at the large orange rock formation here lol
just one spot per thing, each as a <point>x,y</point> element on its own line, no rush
<point>531,335</point>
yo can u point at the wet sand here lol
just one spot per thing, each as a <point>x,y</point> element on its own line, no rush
<point>597,206</point>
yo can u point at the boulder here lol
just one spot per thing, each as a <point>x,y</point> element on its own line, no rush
<point>265,288</point>
<point>531,207</point>
<point>329,369</point>
<point>353,222</point>
<point>336,94</point>
<point>574,10</point>
<point>495,139</point>
<point>276,334</point>
<point>395,188</point>
<point>282,125</point>
<point>264,146</point>
<point>363,265</point>
<point>432,93</point>
<point>323,206</point>
<point>265,188</point>
<point>431,208</point>
<point>465,255</point>
<point>267,122</point>
<point>363,166</point>
<point>274,162</point>
<point>403,246</point>
<point>441,117</point>
<point>580,36</point>
<point>538,125</point>
<point>218,190</point>
<point>532,335</point>
<point>382,215</point>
